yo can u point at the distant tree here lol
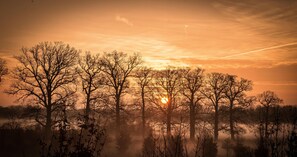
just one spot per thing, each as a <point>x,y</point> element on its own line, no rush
<point>3,68</point>
<point>209,147</point>
<point>45,75</point>
<point>118,67</point>
<point>268,99</point>
<point>90,72</point>
<point>236,96</point>
<point>144,77</point>
<point>168,84</point>
<point>292,143</point>
<point>213,90</point>
<point>241,150</point>
<point>191,85</point>
<point>149,148</point>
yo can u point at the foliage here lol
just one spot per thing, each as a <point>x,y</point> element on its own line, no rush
<point>88,141</point>
<point>3,69</point>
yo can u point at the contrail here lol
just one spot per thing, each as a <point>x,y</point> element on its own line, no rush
<point>263,49</point>
<point>186,29</point>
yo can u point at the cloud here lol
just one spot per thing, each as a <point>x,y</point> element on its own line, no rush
<point>274,19</point>
<point>276,83</point>
<point>124,20</point>
<point>232,63</point>
<point>186,29</point>
<point>262,49</point>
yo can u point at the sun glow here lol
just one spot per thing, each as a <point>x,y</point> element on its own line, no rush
<point>164,100</point>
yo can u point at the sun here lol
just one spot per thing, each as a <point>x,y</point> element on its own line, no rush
<point>164,100</point>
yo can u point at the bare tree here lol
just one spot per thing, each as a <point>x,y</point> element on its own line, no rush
<point>3,68</point>
<point>46,76</point>
<point>168,83</point>
<point>268,99</point>
<point>191,85</point>
<point>118,67</point>
<point>213,90</point>
<point>144,77</point>
<point>235,94</point>
<point>90,72</point>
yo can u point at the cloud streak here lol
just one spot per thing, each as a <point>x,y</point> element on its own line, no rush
<point>260,50</point>
<point>124,20</point>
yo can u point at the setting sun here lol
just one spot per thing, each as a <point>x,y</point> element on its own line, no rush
<point>164,100</point>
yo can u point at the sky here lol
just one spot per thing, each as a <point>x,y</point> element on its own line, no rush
<point>253,39</point>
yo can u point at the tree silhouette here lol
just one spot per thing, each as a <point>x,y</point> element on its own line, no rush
<point>191,84</point>
<point>3,69</point>
<point>268,99</point>
<point>235,94</point>
<point>90,72</point>
<point>45,75</point>
<point>144,77</point>
<point>118,67</point>
<point>168,83</point>
<point>213,90</point>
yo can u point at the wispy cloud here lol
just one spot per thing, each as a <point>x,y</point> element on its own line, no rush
<point>232,63</point>
<point>261,50</point>
<point>276,83</point>
<point>124,20</point>
<point>273,19</point>
<point>186,29</point>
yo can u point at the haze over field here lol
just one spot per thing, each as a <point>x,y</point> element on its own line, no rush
<point>253,39</point>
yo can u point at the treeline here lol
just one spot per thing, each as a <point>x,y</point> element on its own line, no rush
<point>117,89</point>
<point>16,112</point>
<point>247,116</point>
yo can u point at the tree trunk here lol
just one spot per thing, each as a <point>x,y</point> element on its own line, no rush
<point>87,114</point>
<point>266,121</point>
<point>143,112</point>
<point>88,103</point>
<point>231,120</point>
<point>168,122</point>
<point>192,119</point>
<point>48,124</point>
<point>216,123</point>
<point>118,123</point>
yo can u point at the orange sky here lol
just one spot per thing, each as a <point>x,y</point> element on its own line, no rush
<point>252,39</point>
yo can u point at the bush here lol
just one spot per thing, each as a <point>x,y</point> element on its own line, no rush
<point>242,151</point>
<point>209,147</point>
<point>149,146</point>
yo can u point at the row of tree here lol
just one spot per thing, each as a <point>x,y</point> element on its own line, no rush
<point>49,74</point>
